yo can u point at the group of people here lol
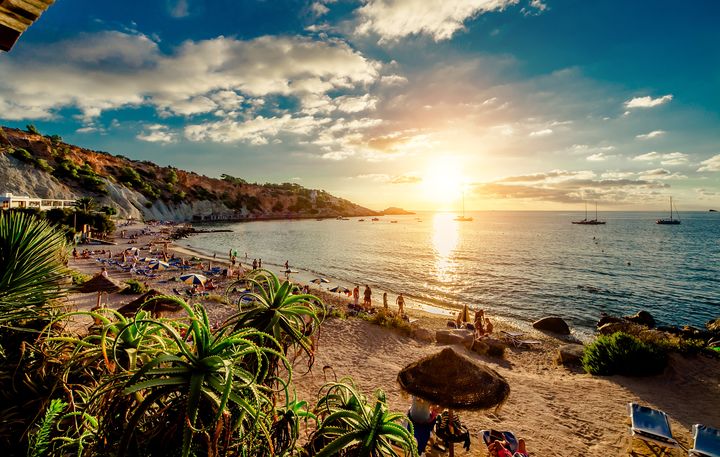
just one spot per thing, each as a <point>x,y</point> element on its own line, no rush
<point>481,325</point>
<point>367,300</point>
<point>426,417</point>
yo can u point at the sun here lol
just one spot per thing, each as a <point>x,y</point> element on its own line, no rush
<point>442,182</point>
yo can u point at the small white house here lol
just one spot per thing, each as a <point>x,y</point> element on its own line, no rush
<point>8,201</point>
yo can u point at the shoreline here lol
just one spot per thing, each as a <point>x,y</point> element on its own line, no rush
<point>544,407</point>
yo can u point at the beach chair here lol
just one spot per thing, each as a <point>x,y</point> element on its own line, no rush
<point>650,426</point>
<point>517,340</point>
<point>706,442</point>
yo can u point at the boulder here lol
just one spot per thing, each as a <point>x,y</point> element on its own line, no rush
<point>714,325</point>
<point>481,347</point>
<point>448,337</point>
<point>607,319</point>
<point>642,318</point>
<point>552,324</point>
<point>689,332</point>
<point>570,354</point>
<point>496,348</point>
<point>423,334</point>
<point>609,329</point>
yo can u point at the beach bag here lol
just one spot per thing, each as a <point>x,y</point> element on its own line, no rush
<point>454,432</point>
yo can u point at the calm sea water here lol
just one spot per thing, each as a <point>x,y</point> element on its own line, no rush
<point>520,265</point>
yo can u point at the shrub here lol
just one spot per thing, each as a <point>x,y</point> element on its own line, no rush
<point>135,287</point>
<point>388,319</point>
<point>32,129</point>
<point>623,354</point>
<point>78,278</point>
<point>23,155</point>
<point>43,165</point>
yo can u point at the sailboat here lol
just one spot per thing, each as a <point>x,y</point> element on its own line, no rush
<point>463,218</point>
<point>670,221</point>
<point>591,221</point>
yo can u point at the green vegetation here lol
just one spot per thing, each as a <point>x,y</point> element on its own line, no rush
<point>232,179</point>
<point>135,287</point>
<point>389,319</point>
<point>621,353</point>
<point>32,129</point>
<point>84,175</point>
<point>150,386</point>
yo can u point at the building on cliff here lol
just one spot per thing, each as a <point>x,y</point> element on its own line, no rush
<point>9,201</point>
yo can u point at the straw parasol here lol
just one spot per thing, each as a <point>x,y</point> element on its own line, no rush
<point>100,284</point>
<point>157,307</point>
<point>454,381</point>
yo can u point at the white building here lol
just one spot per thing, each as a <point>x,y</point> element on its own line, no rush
<point>8,200</point>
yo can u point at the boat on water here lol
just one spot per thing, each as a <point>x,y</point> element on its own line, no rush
<point>587,221</point>
<point>463,218</point>
<point>393,222</point>
<point>361,220</point>
<point>374,219</point>
<point>671,220</point>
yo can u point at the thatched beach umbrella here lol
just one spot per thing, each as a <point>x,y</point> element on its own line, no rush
<point>157,307</point>
<point>100,284</point>
<point>454,381</point>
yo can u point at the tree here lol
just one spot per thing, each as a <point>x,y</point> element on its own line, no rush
<point>85,204</point>
<point>31,266</point>
<point>32,129</point>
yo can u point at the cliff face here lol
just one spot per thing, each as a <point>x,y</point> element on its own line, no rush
<point>35,165</point>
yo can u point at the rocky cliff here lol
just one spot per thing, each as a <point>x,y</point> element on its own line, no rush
<point>46,167</point>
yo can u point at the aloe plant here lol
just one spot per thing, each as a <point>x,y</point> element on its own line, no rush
<point>207,385</point>
<point>351,426</point>
<point>290,319</point>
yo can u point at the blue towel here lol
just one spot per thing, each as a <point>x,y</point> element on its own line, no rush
<point>707,440</point>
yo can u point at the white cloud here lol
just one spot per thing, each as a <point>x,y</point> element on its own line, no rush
<point>440,19</point>
<point>660,173</point>
<point>711,164</point>
<point>535,8</point>
<point>392,80</point>
<point>543,132</point>
<point>110,70</point>
<point>647,157</point>
<point>156,133</point>
<point>674,158</point>
<point>597,157</point>
<point>253,131</point>
<point>647,101</point>
<point>649,135</point>
<point>349,104</point>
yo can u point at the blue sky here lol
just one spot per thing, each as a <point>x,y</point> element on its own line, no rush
<point>521,104</point>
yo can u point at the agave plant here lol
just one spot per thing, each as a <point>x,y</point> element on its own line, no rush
<point>32,271</point>
<point>205,387</point>
<point>350,426</point>
<point>290,319</point>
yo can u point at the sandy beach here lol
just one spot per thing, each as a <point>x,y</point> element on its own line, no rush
<point>558,411</point>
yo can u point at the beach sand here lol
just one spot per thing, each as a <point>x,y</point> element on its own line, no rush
<point>558,411</point>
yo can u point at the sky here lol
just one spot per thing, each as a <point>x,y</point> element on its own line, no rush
<point>509,104</point>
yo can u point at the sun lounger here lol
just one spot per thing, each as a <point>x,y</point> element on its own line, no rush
<point>516,339</point>
<point>650,426</point>
<point>706,442</point>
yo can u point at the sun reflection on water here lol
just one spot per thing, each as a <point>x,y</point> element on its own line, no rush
<point>445,239</point>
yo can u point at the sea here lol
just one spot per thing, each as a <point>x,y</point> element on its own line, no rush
<point>517,266</point>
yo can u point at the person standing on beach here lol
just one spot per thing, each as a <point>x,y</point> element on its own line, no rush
<point>385,304</point>
<point>367,297</point>
<point>254,264</point>
<point>287,264</point>
<point>260,263</point>
<point>400,302</point>
<point>356,295</point>
<point>230,256</point>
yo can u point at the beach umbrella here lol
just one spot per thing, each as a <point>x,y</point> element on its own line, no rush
<point>159,265</point>
<point>156,307</point>
<point>339,289</point>
<point>454,381</point>
<point>148,259</point>
<point>100,284</point>
<point>193,278</point>
<point>320,281</point>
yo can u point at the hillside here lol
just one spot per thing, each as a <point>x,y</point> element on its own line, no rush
<point>46,167</point>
